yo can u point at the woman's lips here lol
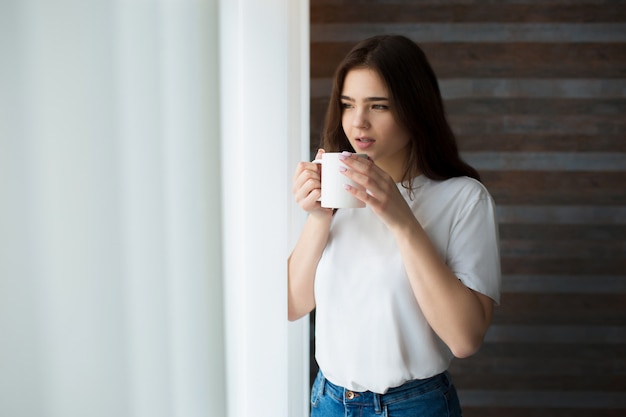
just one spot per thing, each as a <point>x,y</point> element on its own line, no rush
<point>364,143</point>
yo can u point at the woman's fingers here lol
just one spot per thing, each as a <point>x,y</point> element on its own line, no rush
<point>303,173</point>
<point>307,183</point>
<point>369,177</point>
<point>307,186</point>
<point>375,188</point>
<point>306,180</point>
<point>308,169</point>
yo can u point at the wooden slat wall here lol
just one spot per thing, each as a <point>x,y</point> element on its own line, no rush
<point>536,92</point>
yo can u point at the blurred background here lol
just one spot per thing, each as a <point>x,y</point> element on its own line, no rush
<point>110,294</point>
<point>536,92</point>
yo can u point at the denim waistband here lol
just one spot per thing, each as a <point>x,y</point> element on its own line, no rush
<point>402,392</point>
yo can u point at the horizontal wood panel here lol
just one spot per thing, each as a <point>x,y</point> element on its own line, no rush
<point>511,88</point>
<point>559,249</point>
<point>529,411</point>
<point>543,367</point>
<point>547,399</point>
<point>469,378</point>
<point>487,32</point>
<point>557,334</point>
<point>555,309</point>
<point>547,161</point>
<point>544,351</point>
<point>561,232</point>
<point>538,124</point>
<point>564,284</point>
<point>546,188</point>
<point>491,353</point>
<point>506,142</point>
<point>575,60</point>
<point>562,266</point>
<point>416,12</point>
<point>565,367</point>
<point>582,213</point>
<point>544,106</point>
<point>508,60</point>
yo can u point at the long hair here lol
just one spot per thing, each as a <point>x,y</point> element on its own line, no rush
<point>417,106</point>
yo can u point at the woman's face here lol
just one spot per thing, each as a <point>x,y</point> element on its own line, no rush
<point>369,123</point>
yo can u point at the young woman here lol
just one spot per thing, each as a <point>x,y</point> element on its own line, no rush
<point>409,282</point>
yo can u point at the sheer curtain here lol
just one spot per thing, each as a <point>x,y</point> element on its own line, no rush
<point>146,149</point>
<point>264,119</point>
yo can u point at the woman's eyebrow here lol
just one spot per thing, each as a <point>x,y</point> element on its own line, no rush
<point>348,98</point>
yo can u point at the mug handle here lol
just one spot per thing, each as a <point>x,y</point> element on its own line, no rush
<point>318,162</point>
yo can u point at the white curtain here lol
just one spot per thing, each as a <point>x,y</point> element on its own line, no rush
<point>143,235</point>
<point>264,119</point>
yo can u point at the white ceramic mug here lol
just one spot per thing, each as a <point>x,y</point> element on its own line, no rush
<point>334,193</point>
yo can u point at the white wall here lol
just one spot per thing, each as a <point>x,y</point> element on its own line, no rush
<point>128,285</point>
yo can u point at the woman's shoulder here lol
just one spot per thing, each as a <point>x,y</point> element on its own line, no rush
<point>462,186</point>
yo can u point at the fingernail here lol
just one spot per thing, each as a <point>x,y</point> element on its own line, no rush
<point>342,169</point>
<point>347,186</point>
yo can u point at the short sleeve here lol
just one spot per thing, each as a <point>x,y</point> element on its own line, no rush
<point>473,253</point>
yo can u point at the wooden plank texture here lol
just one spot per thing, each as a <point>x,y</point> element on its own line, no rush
<point>413,12</point>
<point>546,188</point>
<point>497,60</point>
<point>535,91</point>
<point>573,142</point>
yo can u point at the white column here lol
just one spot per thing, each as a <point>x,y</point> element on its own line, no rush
<point>263,97</point>
<point>298,150</point>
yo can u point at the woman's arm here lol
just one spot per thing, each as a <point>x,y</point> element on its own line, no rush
<point>459,315</point>
<point>302,263</point>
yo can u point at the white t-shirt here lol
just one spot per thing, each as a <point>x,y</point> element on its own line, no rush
<point>370,331</point>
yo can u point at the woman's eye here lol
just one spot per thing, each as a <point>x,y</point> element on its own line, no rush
<point>345,105</point>
<point>380,107</point>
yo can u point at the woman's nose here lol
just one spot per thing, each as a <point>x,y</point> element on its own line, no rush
<point>360,119</point>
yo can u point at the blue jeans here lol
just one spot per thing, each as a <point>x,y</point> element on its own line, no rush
<point>431,397</point>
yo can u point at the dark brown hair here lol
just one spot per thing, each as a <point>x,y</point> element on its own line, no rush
<point>417,106</point>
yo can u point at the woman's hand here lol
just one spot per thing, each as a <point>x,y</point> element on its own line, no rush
<point>307,186</point>
<point>302,264</point>
<point>379,191</point>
